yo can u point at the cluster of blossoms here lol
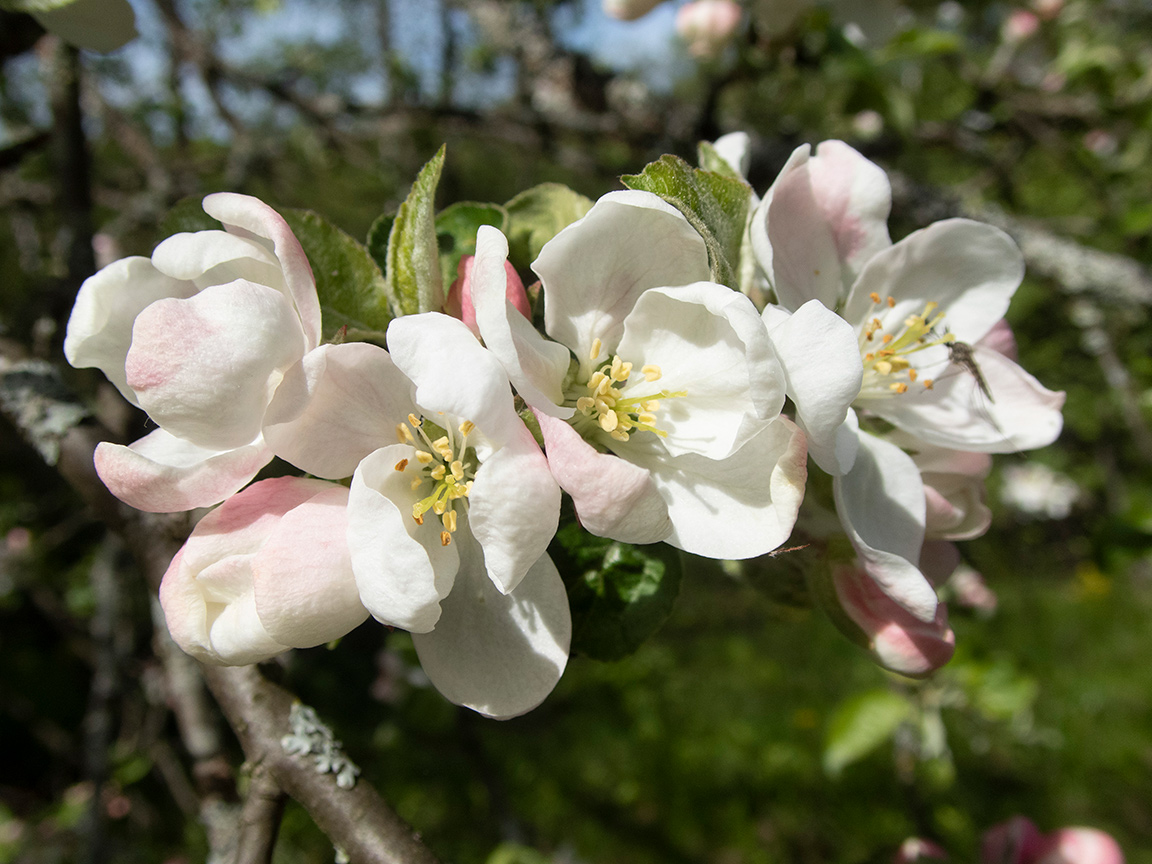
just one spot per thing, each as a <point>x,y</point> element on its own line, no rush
<point>667,407</point>
<point>1019,841</point>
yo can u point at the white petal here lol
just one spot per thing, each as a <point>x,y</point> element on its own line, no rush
<point>100,327</point>
<point>733,149</point>
<point>535,366</point>
<point>401,568</point>
<point>499,654</point>
<point>613,498</point>
<point>821,360</point>
<point>514,508</point>
<point>970,269</point>
<point>98,25</point>
<point>161,473</point>
<point>758,225</point>
<point>453,373</point>
<point>1020,415</point>
<point>216,258</point>
<point>251,217</point>
<point>595,269</point>
<point>303,586</point>
<point>880,503</point>
<point>737,507</point>
<point>205,368</point>
<point>710,344</point>
<point>335,407</point>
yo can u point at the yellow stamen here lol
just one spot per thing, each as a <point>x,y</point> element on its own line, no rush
<point>651,372</point>
<point>595,352</point>
<point>401,465</point>
<point>466,428</point>
<point>874,297</point>
<point>404,434</point>
<point>445,538</point>
<point>898,387</point>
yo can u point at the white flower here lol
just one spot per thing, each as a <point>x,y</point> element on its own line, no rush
<point>1036,490</point>
<point>666,425</point>
<point>199,336</point>
<point>451,507</point>
<point>924,314</point>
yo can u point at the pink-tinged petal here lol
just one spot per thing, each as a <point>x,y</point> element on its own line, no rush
<point>100,327</point>
<point>453,373</point>
<point>1079,846</point>
<point>970,590</point>
<point>207,592</point>
<point>340,403</point>
<point>880,503</point>
<point>969,268</point>
<point>613,498</point>
<point>757,231</point>
<point>956,414</point>
<point>250,217</point>
<point>161,473</point>
<point>402,569</point>
<point>535,366</point>
<point>461,301</point>
<point>594,270</point>
<point>899,641</point>
<point>1013,842</point>
<point>826,218</point>
<point>710,345</point>
<point>514,509</point>
<point>955,507</point>
<point>738,507</point>
<point>498,654</point>
<point>1001,339</point>
<point>304,589</point>
<point>209,258</point>
<point>822,366</point>
<point>205,368</point>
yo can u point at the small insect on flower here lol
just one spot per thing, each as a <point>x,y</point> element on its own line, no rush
<point>962,355</point>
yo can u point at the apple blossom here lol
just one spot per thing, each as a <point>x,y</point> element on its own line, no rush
<point>451,507</point>
<point>666,425</point>
<point>98,25</point>
<point>266,571</point>
<point>820,235</point>
<point>199,336</point>
<point>1019,841</point>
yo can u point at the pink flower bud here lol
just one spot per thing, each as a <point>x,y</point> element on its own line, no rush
<point>1019,25</point>
<point>969,589</point>
<point>900,641</point>
<point>708,25</point>
<point>459,302</point>
<point>1079,846</point>
<point>629,10</point>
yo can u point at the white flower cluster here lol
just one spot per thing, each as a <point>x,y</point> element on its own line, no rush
<point>666,406</point>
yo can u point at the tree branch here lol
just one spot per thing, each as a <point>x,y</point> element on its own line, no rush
<point>34,399</point>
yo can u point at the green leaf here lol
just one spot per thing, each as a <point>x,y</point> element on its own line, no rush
<point>619,594</point>
<point>715,204</point>
<point>351,287</point>
<point>513,853</point>
<point>187,214</point>
<point>413,269</point>
<point>537,215</point>
<point>862,724</point>
<point>456,227</point>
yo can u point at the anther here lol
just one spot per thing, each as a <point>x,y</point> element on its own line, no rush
<point>891,302</point>
<point>466,427</point>
<point>595,352</point>
<point>898,387</point>
<point>415,421</point>
<point>651,372</point>
<point>445,538</point>
<point>424,457</point>
<point>401,465</point>
<point>404,434</point>
<point>874,297</point>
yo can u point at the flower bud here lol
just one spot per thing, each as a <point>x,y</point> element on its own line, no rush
<point>1079,846</point>
<point>1018,26</point>
<point>459,303</point>
<point>708,25</point>
<point>267,570</point>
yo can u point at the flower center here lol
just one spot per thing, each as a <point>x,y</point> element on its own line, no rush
<point>602,406</point>
<point>445,464</point>
<point>888,371</point>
